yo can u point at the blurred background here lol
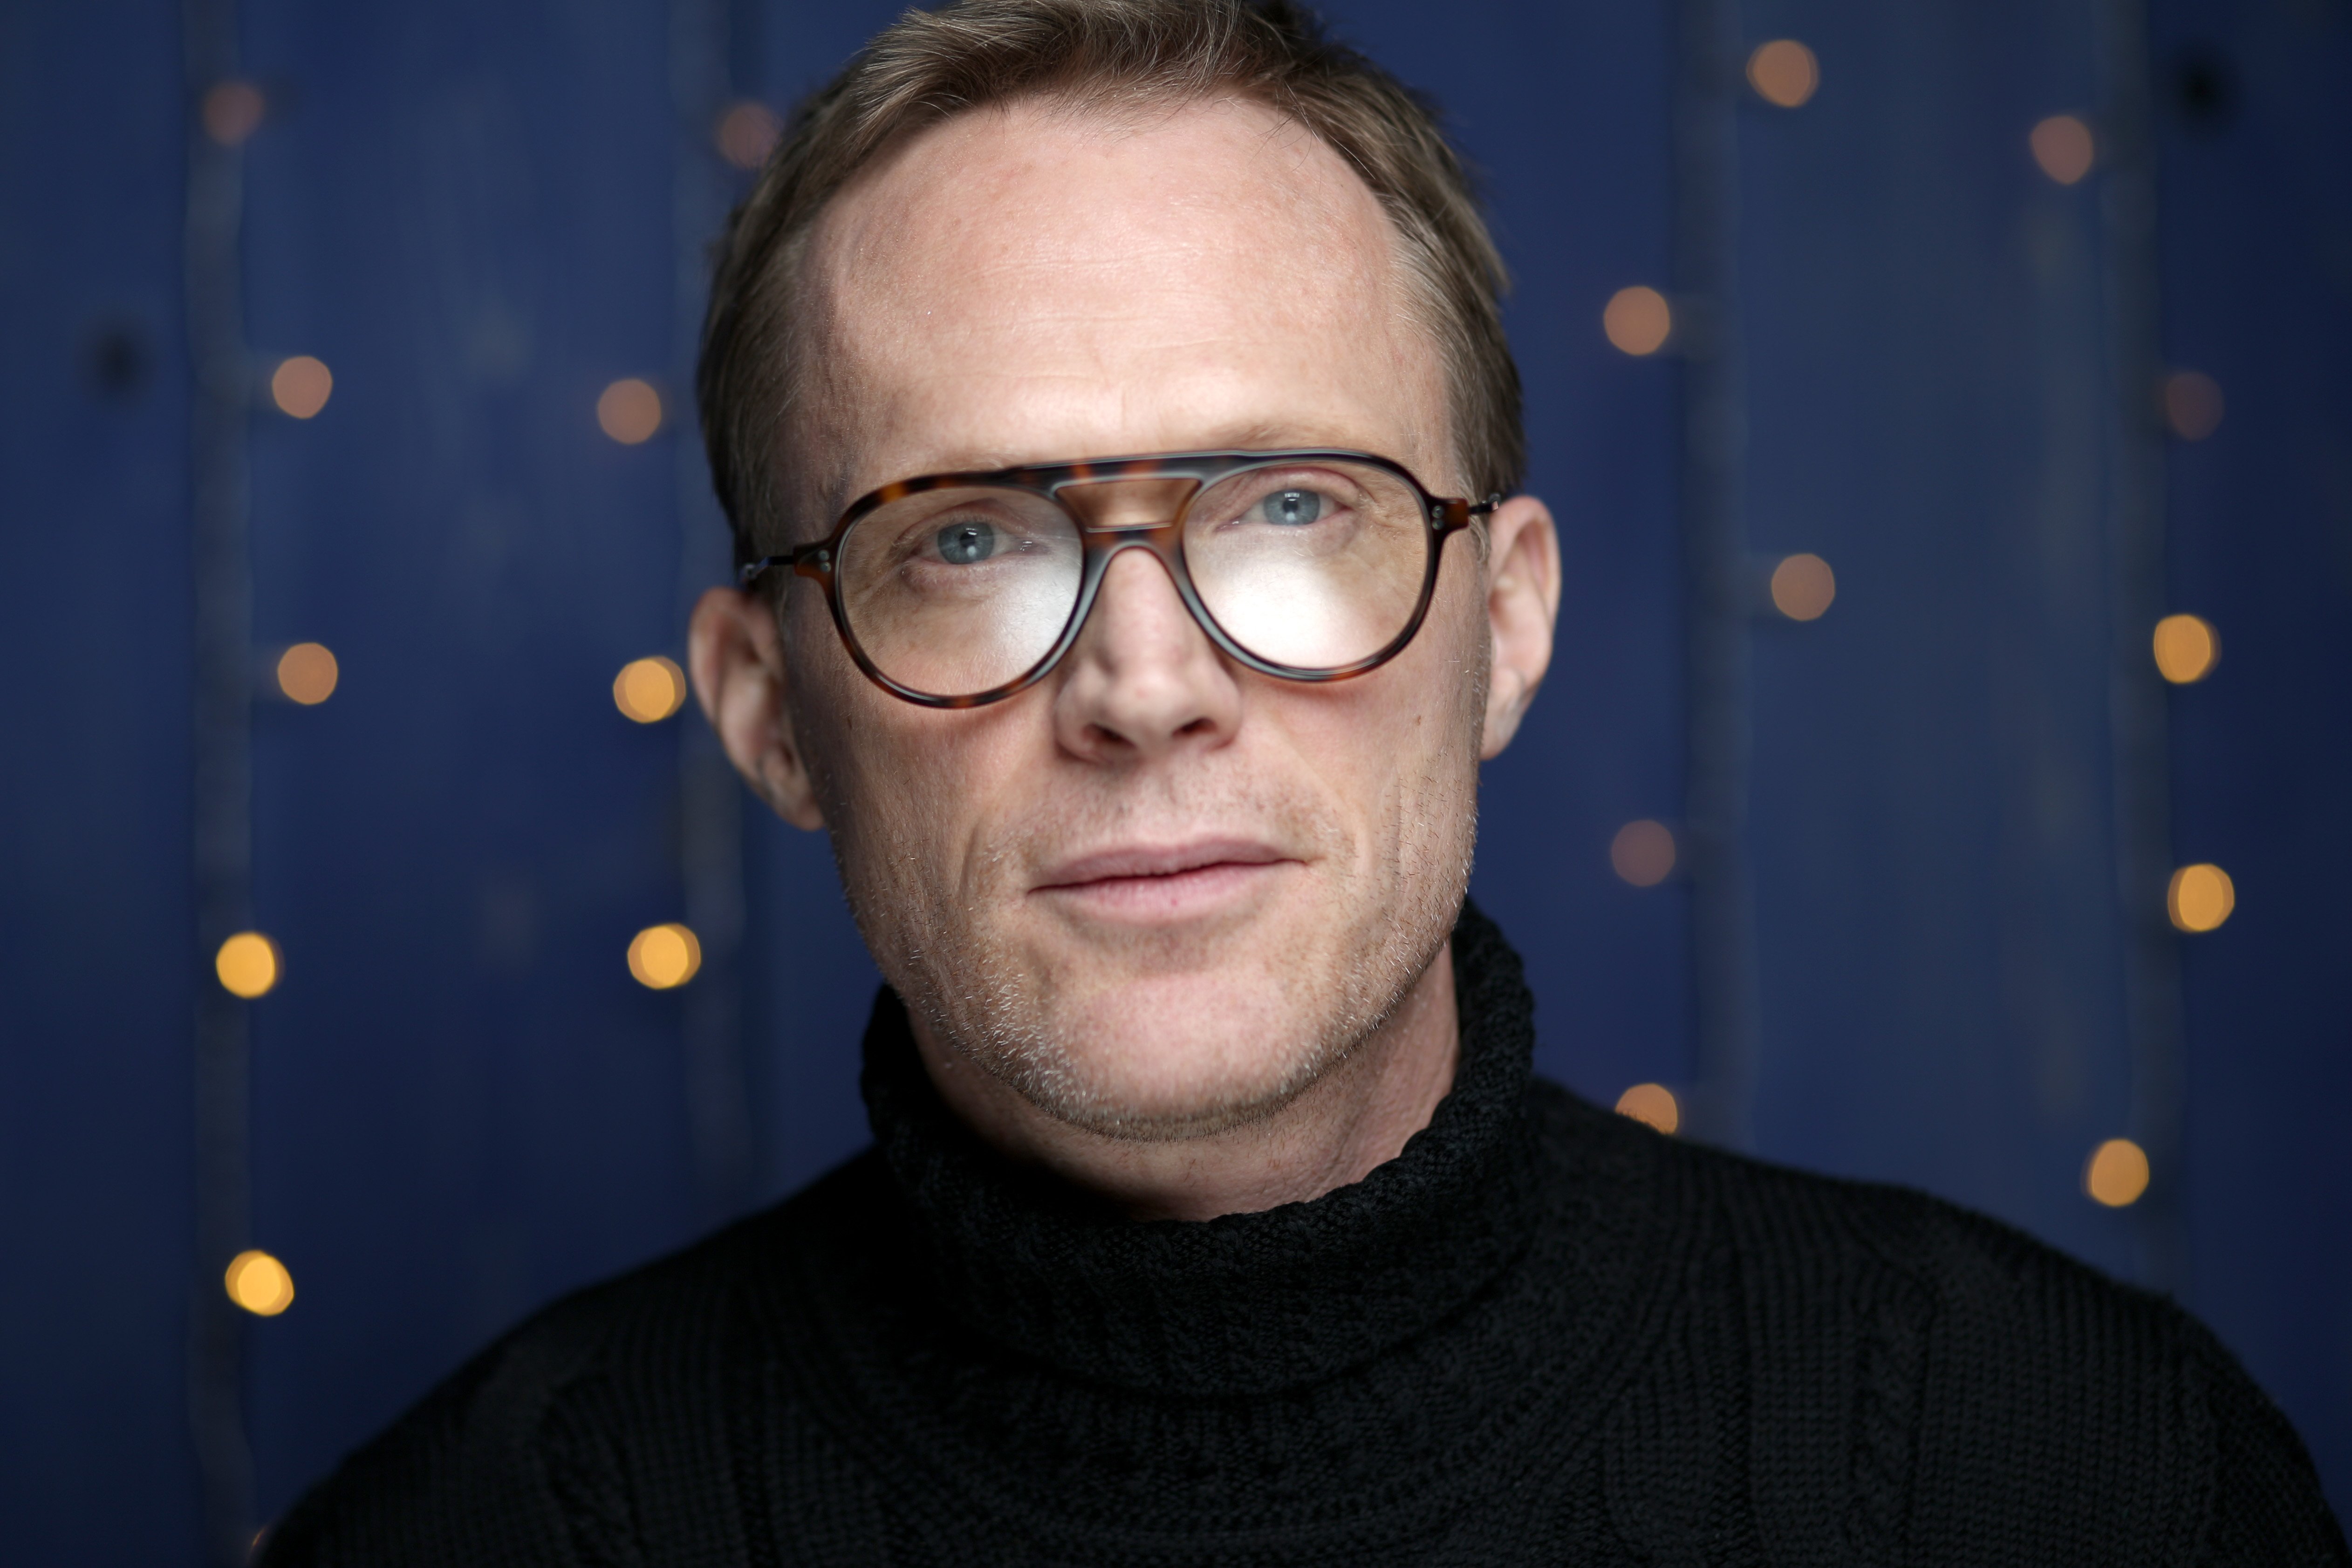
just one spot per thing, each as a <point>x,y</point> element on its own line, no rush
<point>1944,778</point>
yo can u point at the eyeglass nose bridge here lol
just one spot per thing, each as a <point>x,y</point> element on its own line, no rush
<point>1127,504</point>
<point>1146,518</point>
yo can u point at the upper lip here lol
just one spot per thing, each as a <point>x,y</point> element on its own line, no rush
<point>1152,859</point>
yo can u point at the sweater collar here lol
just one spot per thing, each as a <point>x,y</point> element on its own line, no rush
<point>1248,1303</point>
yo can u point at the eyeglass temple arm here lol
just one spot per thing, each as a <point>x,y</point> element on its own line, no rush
<point>1460,514</point>
<point>809,560</point>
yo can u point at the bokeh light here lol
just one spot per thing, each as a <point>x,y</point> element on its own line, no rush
<point>1783,72</point>
<point>301,386</point>
<point>649,690</point>
<point>1642,853</point>
<point>663,957</point>
<point>259,1283</point>
<point>232,112</point>
<point>1654,1103</point>
<point>308,673</point>
<point>2201,897</point>
<point>629,411</point>
<point>2192,404</point>
<point>1804,587</point>
<point>1638,320</point>
<point>248,965</point>
<point>747,133</point>
<point>2064,147</point>
<point>2186,648</point>
<point>2117,1173</point>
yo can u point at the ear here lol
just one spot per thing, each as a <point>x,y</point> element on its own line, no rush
<point>737,654</point>
<point>1522,603</point>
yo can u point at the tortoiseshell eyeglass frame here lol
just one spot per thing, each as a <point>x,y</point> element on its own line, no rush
<point>1441,516</point>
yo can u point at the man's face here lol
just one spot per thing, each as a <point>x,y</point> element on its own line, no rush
<point>1157,895</point>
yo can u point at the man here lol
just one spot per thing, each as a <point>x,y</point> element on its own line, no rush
<point>1214,1215</point>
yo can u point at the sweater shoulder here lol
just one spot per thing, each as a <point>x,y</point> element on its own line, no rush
<point>1966,1264</point>
<point>523,1454</point>
<point>1942,1356</point>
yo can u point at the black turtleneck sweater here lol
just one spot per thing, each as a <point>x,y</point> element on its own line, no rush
<point>1541,1334</point>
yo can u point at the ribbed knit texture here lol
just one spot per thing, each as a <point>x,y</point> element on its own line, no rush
<point>1542,1335</point>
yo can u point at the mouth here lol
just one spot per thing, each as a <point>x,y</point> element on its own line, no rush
<point>1159,883</point>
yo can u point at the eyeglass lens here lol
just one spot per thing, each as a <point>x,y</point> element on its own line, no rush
<point>1313,566</point>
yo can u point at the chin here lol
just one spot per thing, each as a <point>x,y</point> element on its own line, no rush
<point>1157,1060</point>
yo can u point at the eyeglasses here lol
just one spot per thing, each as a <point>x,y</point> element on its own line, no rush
<point>956,590</point>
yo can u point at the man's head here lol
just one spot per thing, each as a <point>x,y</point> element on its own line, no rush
<point>1157,893</point>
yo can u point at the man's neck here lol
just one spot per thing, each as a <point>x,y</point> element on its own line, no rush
<point>1356,1116</point>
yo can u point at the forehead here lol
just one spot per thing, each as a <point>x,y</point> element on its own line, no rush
<point>1042,281</point>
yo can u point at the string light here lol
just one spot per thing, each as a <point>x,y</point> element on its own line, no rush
<point>307,673</point>
<point>649,690</point>
<point>1638,320</point>
<point>1642,853</point>
<point>2117,1173</point>
<point>1804,587</point>
<point>747,133</point>
<point>2064,147</point>
<point>259,1283</point>
<point>2186,647</point>
<point>1654,1103</point>
<point>663,957</point>
<point>248,965</point>
<point>301,386</point>
<point>2192,404</point>
<point>232,112</point>
<point>2201,897</point>
<point>629,411</point>
<point>1784,72</point>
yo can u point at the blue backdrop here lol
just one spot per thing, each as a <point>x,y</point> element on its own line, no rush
<point>1924,948</point>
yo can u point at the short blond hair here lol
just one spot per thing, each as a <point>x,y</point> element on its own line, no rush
<point>932,64</point>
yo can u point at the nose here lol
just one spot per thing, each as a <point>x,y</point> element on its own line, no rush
<point>1144,681</point>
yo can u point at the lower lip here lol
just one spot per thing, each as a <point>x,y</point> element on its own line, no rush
<point>1181,895</point>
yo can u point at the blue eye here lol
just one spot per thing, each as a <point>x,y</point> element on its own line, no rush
<point>1292,507</point>
<point>961,544</point>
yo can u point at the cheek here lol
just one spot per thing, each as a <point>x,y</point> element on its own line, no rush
<point>821,704</point>
<point>1448,668</point>
<point>1403,742</point>
<point>845,735</point>
<point>1441,677</point>
<point>907,791</point>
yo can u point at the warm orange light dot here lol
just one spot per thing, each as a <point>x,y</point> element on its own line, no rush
<point>259,1283</point>
<point>1651,1102</point>
<point>649,690</point>
<point>747,133</point>
<point>232,112</point>
<point>1638,320</point>
<point>308,673</point>
<point>2117,1173</point>
<point>248,965</point>
<point>1642,853</point>
<point>2192,404</point>
<point>663,957</point>
<point>630,410</point>
<point>2064,147</point>
<point>1804,587</point>
<point>2201,897</point>
<point>301,386</point>
<point>2186,648</point>
<point>1783,72</point>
